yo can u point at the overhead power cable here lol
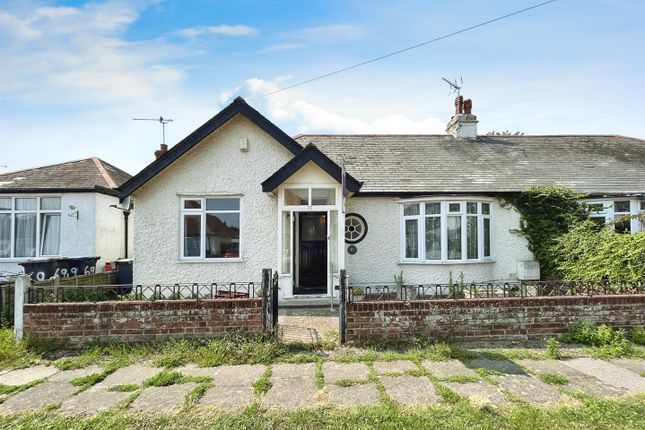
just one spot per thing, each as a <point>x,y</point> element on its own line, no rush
<point>409,48</point>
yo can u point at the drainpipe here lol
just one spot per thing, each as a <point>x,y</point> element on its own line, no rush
<point>126,214</point>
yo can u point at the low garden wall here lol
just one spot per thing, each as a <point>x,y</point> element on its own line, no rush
<point>77,324</point>
<point>489,320</point>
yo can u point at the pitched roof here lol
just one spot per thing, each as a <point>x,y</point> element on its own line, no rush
<point>409,164</point>
<point>238,106</point>
<point>89,174</point>
<point>310,153</point>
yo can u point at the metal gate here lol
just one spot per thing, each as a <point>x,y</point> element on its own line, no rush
<point>269,300</point>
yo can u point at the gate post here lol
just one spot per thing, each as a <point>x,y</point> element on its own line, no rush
<point>23,282</point>
<point>274,301</point>
<point>266,300</point>
<point>341,309</point>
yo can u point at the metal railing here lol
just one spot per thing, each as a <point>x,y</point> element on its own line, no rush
<point>137,292</point>
<point>522,289</point>
<point>6,304</point>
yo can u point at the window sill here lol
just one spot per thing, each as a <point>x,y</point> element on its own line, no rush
<point>212,260</point>
<point>444,263</point>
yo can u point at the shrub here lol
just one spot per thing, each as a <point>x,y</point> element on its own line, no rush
<point>605,341</point>
<point>637,335</point>
<point>553,348</point>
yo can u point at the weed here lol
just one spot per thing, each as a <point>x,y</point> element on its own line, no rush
<point>347,382</point>
<point>85,382</point>
<point>637,335</point>
<point>604,341</point>
<point>262,385</point>
<point>320,376</point>
<point>553,348</point>
<point>15,354</point>
<point>461,379</point>
<point>125,388</point>
<point>15,389</point>
<point>553,379</point>
<point>487,372</point>
<point>164,379</point>
<point>195,396</point>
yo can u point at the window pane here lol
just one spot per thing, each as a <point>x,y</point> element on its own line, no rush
<point>27,204</point>
<point>486,237</point>
<point>286,242</point>
<point>411,238</point>
<point>25,235</point>
<point>471,225</point>
<point>323,196</point>
<point>623,224</point>
<point>643,206</point>
<point>192,235</point>
<point>454,237</point>
<point>5,235</point>
<point>433,238</point>
<point>486,208</point>
<point>222,204</point>
<point>5,204</point>
<point>621,207</point>
<point>223,235</point>
<point>50,234</point>
<point>454,207</point>
<point>296,197</point>
<point>50,203</point>
<point>411,209</point>
<point>433,208</point>
<point>193,204</point>
<point>596,207</point>
<point>471,207</point>
<point>599,220</point>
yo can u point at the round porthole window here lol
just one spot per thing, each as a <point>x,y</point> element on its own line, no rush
<point>355,228</point>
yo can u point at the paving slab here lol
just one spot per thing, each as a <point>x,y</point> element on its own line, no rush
<point>68,375</point>
<point>192,370</point>
<point>293,371</point>
<point>228,397</point>
<point>334,371</point>
<point>633,364</point>
<point>578,381</point>
<point>133,374</point>
<point>291,393</point>
<point>445,369</point>
<point>358,394</point>
<point>245,374</point>
<point>396,366</point>
<point>479,393</point>
<point>27,375</point>
<point>43,394</point>
<point>92,402</point>
<point>410,390</point>
<point>609,373</point>
<point>531,389</point>
<point>503,366</point>
<point>162,399</point>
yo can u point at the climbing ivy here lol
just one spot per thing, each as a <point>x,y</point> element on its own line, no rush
<point>546,213</point>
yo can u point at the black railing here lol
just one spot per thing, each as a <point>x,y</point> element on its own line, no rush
<point>390,292</point>
<point>101,293</point>
<point>6,305</point>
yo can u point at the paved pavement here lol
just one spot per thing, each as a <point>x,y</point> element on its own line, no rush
<point>293,386</point>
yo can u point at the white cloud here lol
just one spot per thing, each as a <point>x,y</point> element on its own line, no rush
<point>282,47</point>
<point>295,113</point>
<point>325,33</point>
<point>226,30</point>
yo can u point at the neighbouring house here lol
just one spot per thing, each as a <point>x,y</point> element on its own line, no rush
<point>239,195</point>
<point>58,215</point>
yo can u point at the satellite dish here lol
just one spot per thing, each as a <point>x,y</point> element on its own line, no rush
<point>127,203</point>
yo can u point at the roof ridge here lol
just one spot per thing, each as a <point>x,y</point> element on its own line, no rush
<point>46,165</point>
<point>106,176</point>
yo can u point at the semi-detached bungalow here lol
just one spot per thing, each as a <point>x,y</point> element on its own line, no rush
<point>239,195</point>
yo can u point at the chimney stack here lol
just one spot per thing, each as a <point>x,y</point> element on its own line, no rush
<point>463,125</point>
<point>161,151</point>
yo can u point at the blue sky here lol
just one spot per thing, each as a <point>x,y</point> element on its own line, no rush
<point>75,73</point>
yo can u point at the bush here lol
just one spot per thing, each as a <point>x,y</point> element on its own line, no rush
<point>637,335</point>
<point>605,341</point>
<point>589,253</point>
<point>553,348</point>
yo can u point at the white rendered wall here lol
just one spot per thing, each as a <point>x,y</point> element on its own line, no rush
<point>378,255</point>
<point>110,230</point>
<point>214,166</point>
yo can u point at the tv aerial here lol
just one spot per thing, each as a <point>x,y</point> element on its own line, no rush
<point>163,121</point>
<point>455,86</point>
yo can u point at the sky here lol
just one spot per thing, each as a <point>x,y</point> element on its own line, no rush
<point>74,74</point>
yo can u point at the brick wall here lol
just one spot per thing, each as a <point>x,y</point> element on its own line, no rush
<point>76,324</point>
<point>489,320</point>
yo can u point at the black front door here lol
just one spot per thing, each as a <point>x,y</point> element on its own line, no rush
<point>312,255</point>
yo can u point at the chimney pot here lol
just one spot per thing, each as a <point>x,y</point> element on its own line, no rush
<point>163,148</point>
<point>459,105</point>
<point>468,106</point>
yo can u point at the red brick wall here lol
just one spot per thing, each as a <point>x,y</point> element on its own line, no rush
<point>76,324</point>
<point>487,320</point>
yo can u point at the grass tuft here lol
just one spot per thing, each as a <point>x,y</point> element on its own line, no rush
<point>262,385</point>
<point>553,379</point>
<point>460,379</point>
<point>125,388</point>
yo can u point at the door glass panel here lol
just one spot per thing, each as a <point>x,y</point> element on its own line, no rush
<point>323,196</point>
<point>286,243</point>
<point>333,243</point>
<point>296,197</point>
<point>454,237</point>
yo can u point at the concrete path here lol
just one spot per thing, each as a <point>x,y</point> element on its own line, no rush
<point>294,386</point>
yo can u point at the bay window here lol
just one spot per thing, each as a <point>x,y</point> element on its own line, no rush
<point>445,231</point>
<point>30,227</point>
<point>210,228</point>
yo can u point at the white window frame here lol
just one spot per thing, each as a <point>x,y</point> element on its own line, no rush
<point>202,213</point>
<point>444,214</point>
<point>609,214</point>
<point>39,212</point>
